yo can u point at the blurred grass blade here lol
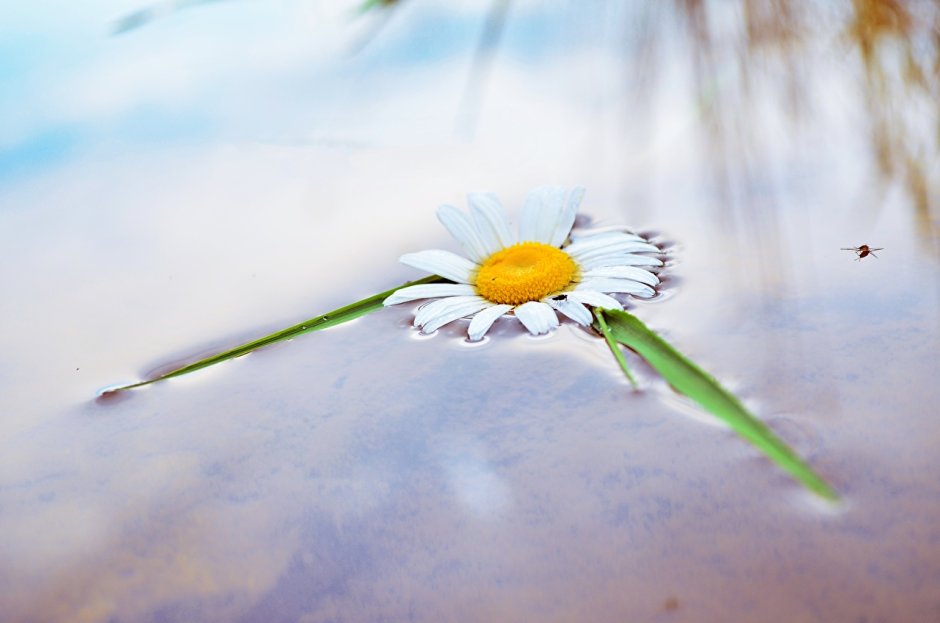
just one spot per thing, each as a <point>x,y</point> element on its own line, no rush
<point>329,319</point>
<point>692,381</point>
<point>159,10</point>
<point>371,5</point>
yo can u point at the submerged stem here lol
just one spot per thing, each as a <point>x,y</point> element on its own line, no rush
<point>614,346</point>
<point>323,321</point>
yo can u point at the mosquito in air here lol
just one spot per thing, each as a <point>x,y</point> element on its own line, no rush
<point>863,251</point>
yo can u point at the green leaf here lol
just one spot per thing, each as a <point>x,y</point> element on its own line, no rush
<point>692,381</point>
<point>323,321</point>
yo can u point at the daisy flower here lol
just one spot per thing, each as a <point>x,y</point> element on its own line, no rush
<point>533,275</point>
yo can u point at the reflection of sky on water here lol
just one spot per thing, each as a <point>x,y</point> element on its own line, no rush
<point>285,74</point>
<point>231,168</point>
<point>266,72</point>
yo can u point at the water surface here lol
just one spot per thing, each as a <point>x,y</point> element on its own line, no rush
<point>226,170</point>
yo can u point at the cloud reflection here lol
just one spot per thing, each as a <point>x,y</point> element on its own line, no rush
<point>477,485</point>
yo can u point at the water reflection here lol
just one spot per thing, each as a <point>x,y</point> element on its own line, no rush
<point>899,43</point>
<point>777,43</point>
<point>365,473</point>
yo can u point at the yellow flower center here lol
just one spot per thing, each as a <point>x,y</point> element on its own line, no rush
<point>528,271</point>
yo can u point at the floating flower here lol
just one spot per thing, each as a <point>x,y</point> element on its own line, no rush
<point>533,276</point>
<point>542,271</point>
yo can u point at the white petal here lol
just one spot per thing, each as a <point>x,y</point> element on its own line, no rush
<point>444,263</point>
<point>608,284</point>
<point>574,310</point>
<point>595,299</point>
<point>537,317</point>
<point>622,272</point>
<point>541,213</point>
<point>434,308</point>
<point>463,231</point>
<point>600,237</point>
<point>428,291</point>
<point>594,241</point>
<point>579,250</point>
<point>566,220</point>
<point>482,322</point>
<point>438,313</point>
<point>618,259</point>
<point>491,220</point>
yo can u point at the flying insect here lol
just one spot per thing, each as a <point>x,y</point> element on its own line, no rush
<point>863,251</point>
